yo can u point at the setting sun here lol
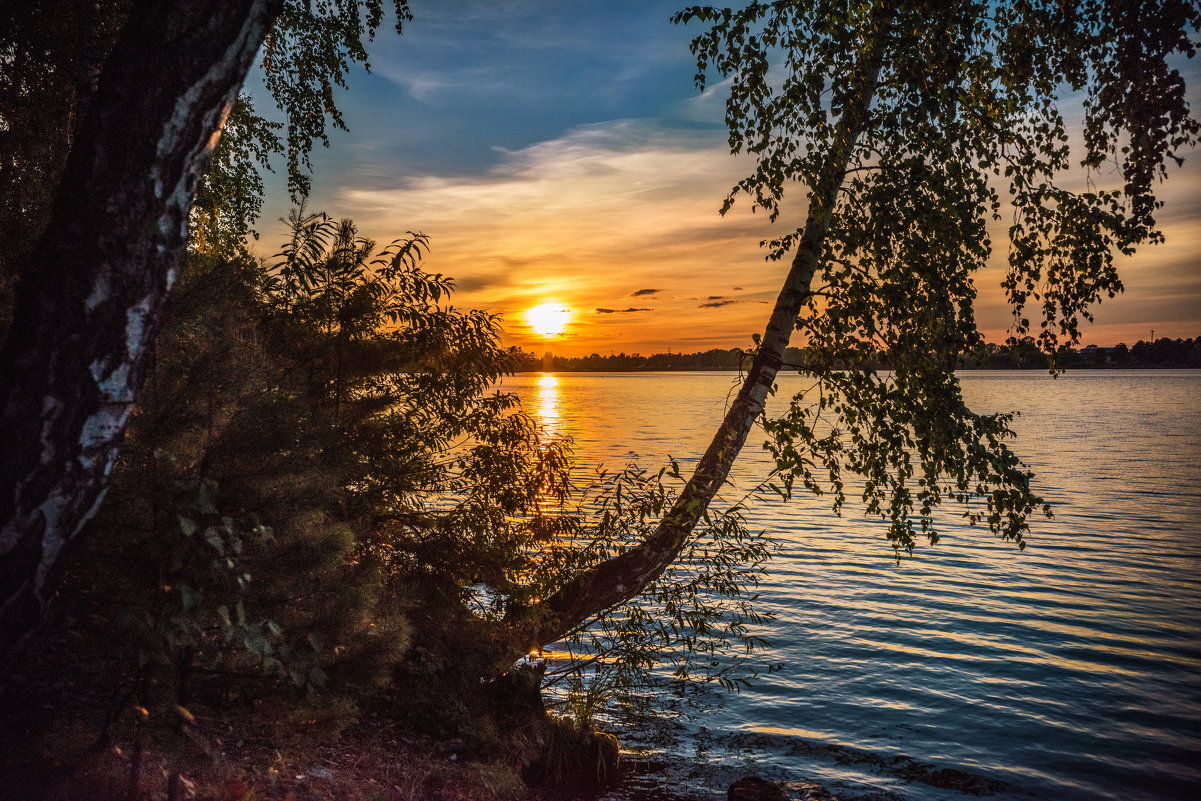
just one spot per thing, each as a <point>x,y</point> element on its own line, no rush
<point>548,319</point>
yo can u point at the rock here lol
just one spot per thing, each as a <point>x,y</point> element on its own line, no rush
<point>812,792</point>
<point>752,788</point>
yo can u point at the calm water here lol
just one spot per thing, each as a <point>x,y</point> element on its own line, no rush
<point>1071,670</point>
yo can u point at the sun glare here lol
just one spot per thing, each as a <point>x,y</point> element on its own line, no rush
<point>548,319</point>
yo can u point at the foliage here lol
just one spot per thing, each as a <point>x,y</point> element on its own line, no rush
<point>48,53</point>
<point>963,123</point>
<point>200,603</point>
<point>52,51</point>
<point>305,58</point>
<point>693,623</point>
<point>317,471</point>
<point>324,507</point>
<point>230,198</point>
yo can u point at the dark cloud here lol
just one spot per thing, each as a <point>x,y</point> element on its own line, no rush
<point>621,311</point>
<point>640,292</point>
<point>716,297</point>
<point>520,262</point>
<point>715,303</point>
<point>474,282</point>
<point>737,289</point>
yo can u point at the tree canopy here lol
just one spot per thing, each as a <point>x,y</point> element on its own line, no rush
<point>912,128</point>
<point>110,112</point>
<point>940,119</point>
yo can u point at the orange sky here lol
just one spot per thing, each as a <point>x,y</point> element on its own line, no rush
<point>560,154</point>
<point>620,217</point>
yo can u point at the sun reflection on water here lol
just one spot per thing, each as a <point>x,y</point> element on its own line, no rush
<point>545,406</point>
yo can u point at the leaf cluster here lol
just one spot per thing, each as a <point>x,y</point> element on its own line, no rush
<point>306,58</point>
<point>695,622</point>
<point>964,126</point>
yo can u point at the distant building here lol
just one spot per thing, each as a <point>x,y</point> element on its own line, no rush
<point>1094,353</point>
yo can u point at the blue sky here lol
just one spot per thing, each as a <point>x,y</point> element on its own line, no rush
<point>557,151</point>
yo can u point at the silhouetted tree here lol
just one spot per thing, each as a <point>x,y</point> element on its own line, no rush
<point>135,94</point>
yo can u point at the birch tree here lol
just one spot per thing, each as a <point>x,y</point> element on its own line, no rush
<point>924,135</point>
<point>96,212</point>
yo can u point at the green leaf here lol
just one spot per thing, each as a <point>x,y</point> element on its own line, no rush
<point>189,597</point>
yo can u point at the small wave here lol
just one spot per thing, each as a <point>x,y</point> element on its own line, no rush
<point>901,767</point>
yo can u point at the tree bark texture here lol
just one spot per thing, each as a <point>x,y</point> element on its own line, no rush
<point>90,297</point>
<point>626,575</point>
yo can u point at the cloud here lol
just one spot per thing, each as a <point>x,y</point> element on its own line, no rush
<point>579,219</point>
<point>589,210</point>
<point>471,283</point>
<point>621,311</point>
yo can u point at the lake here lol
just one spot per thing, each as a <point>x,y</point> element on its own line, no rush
<point>1070,670</point>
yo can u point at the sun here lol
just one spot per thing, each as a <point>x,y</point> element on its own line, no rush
<point>548,319</point>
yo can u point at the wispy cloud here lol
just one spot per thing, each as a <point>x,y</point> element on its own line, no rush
<point>427,85</point>
<point>581,218</point>
<point>621,311</point>
<point>558,152</point>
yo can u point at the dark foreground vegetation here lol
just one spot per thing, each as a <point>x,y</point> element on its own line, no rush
<point>318,532</point>
<point>1021,354</point>
<point>323,523</point>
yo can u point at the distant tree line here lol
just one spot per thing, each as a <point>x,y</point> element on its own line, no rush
<point>713,359</point>
<point>1024,354</point>
<point>1016,354</point>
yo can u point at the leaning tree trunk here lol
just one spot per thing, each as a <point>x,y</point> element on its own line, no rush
<point>624,576</point>
<point>91,295</point>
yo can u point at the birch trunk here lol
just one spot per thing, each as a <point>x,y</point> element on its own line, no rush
<point>626,575</point>
<point>90,297</point>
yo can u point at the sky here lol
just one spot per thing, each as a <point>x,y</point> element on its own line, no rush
<point>558,152</point>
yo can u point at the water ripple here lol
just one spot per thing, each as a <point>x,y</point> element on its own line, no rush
<point>1071,670</point>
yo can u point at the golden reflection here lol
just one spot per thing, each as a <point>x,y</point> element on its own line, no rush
<point>546,402</point>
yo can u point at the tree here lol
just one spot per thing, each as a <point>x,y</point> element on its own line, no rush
<point>324,504</point>
<point>280,498</point>
<point>137,93</point>
<point>911,126</point>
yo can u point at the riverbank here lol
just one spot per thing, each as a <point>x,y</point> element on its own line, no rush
<point>668,754</point>
<point>372,762</point>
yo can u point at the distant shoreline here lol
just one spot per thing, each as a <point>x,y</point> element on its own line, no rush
<point>1160,354</point>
